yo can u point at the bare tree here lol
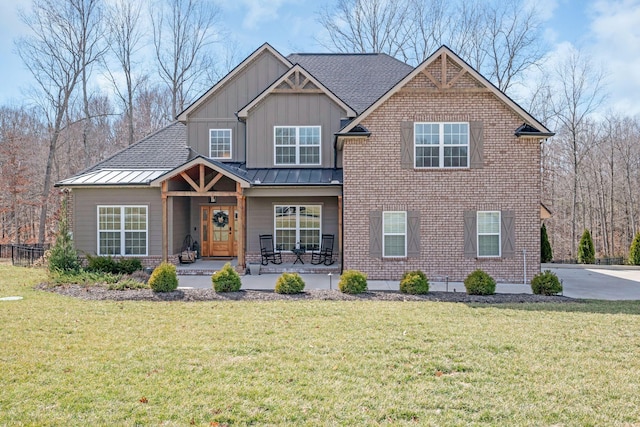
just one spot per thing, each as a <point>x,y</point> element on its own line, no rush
<point>363,26</point>
<point>579,94</point>
<point>513,41</point>
<point>501,39</point>
<point>126,36</point>
<point>53,55</point>
<point>90,34</point>
<point>183,30</point>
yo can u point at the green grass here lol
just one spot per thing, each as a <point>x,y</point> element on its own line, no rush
<point>71,362</point>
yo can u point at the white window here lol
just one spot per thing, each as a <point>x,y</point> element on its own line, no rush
<point>297,225</point>
<point>394,234</point>
<point>122,230</point>
<point>220,143</point>
<point>297,145</point>
<point>488,224</point>
<point>441,145</point>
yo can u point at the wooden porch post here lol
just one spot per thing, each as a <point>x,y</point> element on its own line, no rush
<point>243,226</point>
<point>340,229</point>
<point>165,231</point>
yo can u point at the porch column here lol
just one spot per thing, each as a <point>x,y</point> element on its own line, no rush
<point>165,222</point>
<point>340,229</point>
<point>241,199</point>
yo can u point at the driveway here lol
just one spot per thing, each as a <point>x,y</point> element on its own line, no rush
<point>615,282</point>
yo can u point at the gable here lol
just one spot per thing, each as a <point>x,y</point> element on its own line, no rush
<point>444,72</point>
<point>240,86</point>
<point>296,81</point>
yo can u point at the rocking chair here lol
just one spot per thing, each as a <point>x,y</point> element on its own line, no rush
<point>267,250</point>
<point>325,254</point>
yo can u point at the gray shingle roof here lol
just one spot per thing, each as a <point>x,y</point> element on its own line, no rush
<point>359,79</point>
<point>141,162</point>
<point>164,149</point>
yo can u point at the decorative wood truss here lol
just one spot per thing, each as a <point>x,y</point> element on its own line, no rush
<point>443,83</point>
<point>297,82</point>
<point>202,186</point>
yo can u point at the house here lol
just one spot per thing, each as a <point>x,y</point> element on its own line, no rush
<point>428,168</point>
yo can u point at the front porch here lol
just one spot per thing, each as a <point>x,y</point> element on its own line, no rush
<point>206,267</point>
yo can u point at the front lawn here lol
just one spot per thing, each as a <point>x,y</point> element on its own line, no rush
<point>65,361</point>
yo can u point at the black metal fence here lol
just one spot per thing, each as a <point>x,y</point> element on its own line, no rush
<point>23,255</point>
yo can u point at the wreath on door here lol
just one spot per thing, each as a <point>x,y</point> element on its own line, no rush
<point>220,219</point>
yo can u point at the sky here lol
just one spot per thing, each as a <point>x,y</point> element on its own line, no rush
<point>607,30</point>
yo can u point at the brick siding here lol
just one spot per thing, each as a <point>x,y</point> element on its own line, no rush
<point>509,180</point>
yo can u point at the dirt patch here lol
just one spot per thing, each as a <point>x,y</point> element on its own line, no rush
<point>102,293</point>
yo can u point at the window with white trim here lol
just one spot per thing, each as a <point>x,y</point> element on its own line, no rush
<point>220,143</point>
<point>488,225</point>
<point>297,225</point>
<point>122,230</point>
<point>394,234</point>
<point>297,145</point>
<point>441,145</point>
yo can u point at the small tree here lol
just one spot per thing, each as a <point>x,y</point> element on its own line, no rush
<point>546,254</point>
<point>586,252</point>
<point>63,256</point>
<point>634,251</point>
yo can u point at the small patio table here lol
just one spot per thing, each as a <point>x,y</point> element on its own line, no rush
<point>298,252</point>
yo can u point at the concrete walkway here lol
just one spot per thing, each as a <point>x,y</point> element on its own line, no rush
<point>324,281</point>
<point>579,281</point>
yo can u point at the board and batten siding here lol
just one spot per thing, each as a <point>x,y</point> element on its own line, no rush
<point>291,110</point>
<point>218,112</point>
<point>85,211</point>
<point>260,220</point>
<point>179,209</point>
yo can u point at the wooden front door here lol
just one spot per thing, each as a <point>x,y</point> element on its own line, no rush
<point>218,231</point>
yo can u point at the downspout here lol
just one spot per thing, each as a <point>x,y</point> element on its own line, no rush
<point>524,265</point>
<point>245,135</point>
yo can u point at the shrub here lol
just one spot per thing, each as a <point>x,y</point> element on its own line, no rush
<point>546,283</point>
<point>546,254</point>
<point>226,280</point>
<point>82,277</point>
<point>128,265</point>
<point>104,264</point>
<point>414,282</point>
<point>63,255</point>
<point>586,252</point>
<point>164,278</point>
<point>634,251</point>
<point>480,283</point>
<point>352,282</point>
<point>289,283</point>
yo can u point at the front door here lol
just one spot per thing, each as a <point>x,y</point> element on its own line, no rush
<point>218,231</point>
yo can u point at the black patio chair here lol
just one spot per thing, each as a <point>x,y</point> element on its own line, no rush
<point>268,251</point>
<point>325,254</point>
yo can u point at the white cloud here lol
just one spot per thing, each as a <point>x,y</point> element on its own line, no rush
<point>260,11</point>
<point>615,32</point>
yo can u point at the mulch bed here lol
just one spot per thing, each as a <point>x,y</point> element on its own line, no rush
<point>97,292</point>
